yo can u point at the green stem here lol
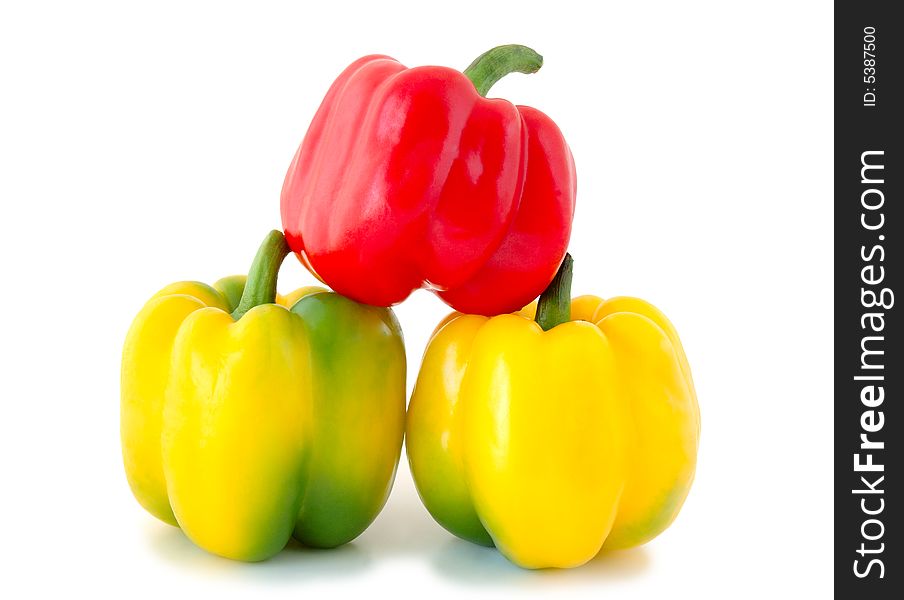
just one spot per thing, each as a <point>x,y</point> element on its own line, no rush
<point>261,285</point>
<point>554,306</point>
<point>493,65</point>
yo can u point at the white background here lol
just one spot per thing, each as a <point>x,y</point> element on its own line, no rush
<point>140,146</point>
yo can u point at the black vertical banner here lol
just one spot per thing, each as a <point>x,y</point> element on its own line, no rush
<point>869,374</point>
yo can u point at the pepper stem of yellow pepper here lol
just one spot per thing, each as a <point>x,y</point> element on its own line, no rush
<point>261,285</point>
<point>493,65</point>
<point>554,306</point>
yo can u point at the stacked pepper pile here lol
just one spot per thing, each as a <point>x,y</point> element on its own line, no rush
<point>549,431</point>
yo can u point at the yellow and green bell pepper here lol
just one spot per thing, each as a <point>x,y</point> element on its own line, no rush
<point>245,421</point>
<point>556,437</point>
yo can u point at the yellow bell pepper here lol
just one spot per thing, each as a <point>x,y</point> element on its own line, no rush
<point>554,438</point>
<point>245,422</point>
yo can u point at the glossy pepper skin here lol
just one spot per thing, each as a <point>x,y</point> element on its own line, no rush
<point>554,444</point>
<point>410,178</point>
<point>245,422</point>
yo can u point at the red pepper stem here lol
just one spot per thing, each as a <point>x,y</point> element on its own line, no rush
<point>554,306</point>
<point>493,65</point>
<point>261,285</point>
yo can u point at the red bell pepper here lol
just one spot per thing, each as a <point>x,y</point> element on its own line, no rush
<point>410,178</point>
